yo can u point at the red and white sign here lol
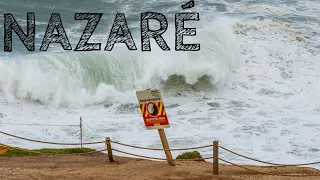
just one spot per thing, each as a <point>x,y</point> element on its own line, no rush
<point>152,109</point>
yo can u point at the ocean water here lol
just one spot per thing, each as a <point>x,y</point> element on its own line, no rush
<point>254,85</point>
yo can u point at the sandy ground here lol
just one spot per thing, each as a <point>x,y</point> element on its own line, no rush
<point>96,166</point>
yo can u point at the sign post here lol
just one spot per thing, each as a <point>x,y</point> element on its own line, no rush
<point>165,146</point>
<point>154,116</point>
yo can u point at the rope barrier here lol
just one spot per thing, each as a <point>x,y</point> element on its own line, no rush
<point>272,174</point>
<point>139,147</point>
<point>73,153</point>
<point>39,125</point>
<point>275,164</point>
<point>148,157</point>
<point>138,155</point>
<point>159,149</point>
<point>46,142</point>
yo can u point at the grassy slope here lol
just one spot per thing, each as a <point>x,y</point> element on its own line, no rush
<point>20,152</point>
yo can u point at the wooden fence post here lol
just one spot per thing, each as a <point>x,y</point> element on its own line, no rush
<point>80,131</point>
<point>108,146</point>
<point>215,158</point>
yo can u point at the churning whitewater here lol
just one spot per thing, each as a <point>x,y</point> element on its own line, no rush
<point>254,85</point>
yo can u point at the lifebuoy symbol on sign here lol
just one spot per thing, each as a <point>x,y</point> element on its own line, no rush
<point>152,109</point>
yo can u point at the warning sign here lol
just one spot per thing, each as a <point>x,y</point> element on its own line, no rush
<point>152,109</point>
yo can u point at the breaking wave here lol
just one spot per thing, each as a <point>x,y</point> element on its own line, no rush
<point>86,78</point>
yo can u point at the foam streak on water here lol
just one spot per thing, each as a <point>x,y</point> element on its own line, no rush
<point>254,86</point>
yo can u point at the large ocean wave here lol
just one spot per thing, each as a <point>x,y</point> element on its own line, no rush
<point>85,78</point>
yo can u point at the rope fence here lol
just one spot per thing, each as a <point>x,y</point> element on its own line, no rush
<point>266,173</point>
<point>274,164</point>
<point>47,142</point>
<point>148,157</point>
<point>131,154</point>
<point>160,149</point>
<point>215,156</point>
<point>62,125</point>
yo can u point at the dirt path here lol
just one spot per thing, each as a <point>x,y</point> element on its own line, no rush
<point>96,166</point>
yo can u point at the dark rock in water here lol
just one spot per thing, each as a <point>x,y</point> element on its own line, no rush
<point>314,150</point>
<point>2,115</point>
<point>300,39</point>
<point>178,94</point>
<point>39,102</point>
<point>307,37</point>
<point>205,98</point>
<point>214,104</point>
<point>107,105</point>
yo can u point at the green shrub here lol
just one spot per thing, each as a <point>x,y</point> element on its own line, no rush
<point>190,155</point>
